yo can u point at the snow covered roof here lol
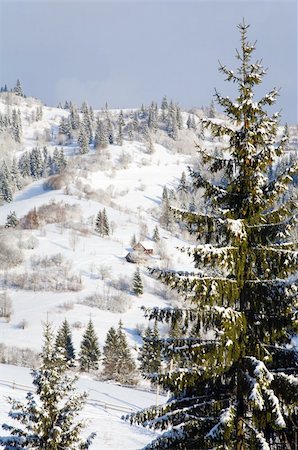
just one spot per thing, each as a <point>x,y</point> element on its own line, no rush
<point>146,244</point>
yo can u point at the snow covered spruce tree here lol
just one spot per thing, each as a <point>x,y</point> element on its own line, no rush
<point>64,342</point>
<point>137,283</point>
<point>49,418</point>
<point>236,383</point>
<point>89,352</point>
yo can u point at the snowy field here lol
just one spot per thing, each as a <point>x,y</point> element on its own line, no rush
<point>106,404</point>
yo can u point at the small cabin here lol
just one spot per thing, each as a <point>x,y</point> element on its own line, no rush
<point>143,247</point>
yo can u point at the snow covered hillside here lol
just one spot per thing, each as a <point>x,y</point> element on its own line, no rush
<point>84,196</point>
<point>106,404</point>
<point>125,180</point>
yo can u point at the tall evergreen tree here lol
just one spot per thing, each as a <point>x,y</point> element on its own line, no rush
<point>83,141</point>
<point>18,90</point>
<point>237,390</point>
<point>6,188</point>
<point>89,352</point>
<point>64,342</point>
<point>110,350</point>
<point>137,284</point>
<point>12,221</point>
<point>48,418</point>
<point>101,138</point>
<point>164,108</point>
<point>118,362</point>
<point>24,165</point>
<point>150,355</point>
<point>166,214</point>
<point>102,223</point>
<point>156,236</point>
<point>15,175</point>
<point>105,223</point>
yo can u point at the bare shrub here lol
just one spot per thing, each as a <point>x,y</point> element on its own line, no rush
<point>54,212</point>
<point>49,273</point>
<point>51,279</point>
<point>57,182</point>
<point>73,239</point>
<point>59,212</point>
<point>22,324</point>
<point>140,329</point>
<point>10,256</point>
<point>28,244</point>
<point>24,357</point>
<point>124,160</point>
<point>31,221</point>
<point>109,300</point>
<point>104,271</point>
<point>6,309</point>
<point>56,260</point>
<point>66,306</point>
<point>121,283</point>
<point>143,230</point>
<point>77,325</point>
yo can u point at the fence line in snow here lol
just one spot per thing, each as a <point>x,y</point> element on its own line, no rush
<point>90,401</point>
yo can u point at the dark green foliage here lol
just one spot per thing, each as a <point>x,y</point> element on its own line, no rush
<point>156,236</point>
<point>166,217</point>
<point>118,362</point>
<point>12,221</point>
<point>48,418</point>
<point>89,352</point>
<point>64,342</point>
<point>236,390</point>
<point>149,355</point>
<point>16,125</point>
<point>83,141</point>
<point>101,138</point>
<point>137,284</point>
<point>102,223</point>
<point>18,90</point>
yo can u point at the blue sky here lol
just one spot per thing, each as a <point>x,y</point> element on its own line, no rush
<point>129,53</point>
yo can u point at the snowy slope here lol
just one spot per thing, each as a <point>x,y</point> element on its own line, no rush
<point>106,404</point>
<point>131,194</point>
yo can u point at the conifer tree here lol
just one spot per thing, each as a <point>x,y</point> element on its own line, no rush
<point>118,362</point>
<point>100,139</point>
<point>15,175</point>
<point>48,418</point>
<point>166,214</point>
<point>188,122</point>
<point>120,134</point>
<point>110,350</point>
<point>24,165</point>
<point>102,223</point>
<point>18,90</point>
<point>16,125</point>
<point>36,163</point>
<point>105,223</point>
<point>6,189</point>
<point>164,108</point>
<point>137,284</point>
<point>149,355</point>
<point>64,342</point>
<point>12,221</point>
<point>237,390</point>
<point>83,141</point>
<point>182,187</point>
<point>89,352</point>
<point>156,236</point>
